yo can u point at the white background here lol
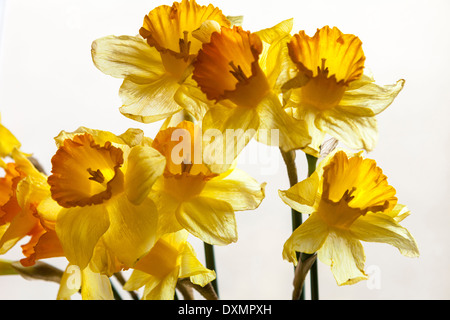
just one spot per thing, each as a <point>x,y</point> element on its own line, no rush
<point>48,83</point>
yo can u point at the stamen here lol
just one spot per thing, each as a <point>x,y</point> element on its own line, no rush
<point>186,167</point>
<point>96,176</point>
<point>238,73</point>
<point>185,46</point>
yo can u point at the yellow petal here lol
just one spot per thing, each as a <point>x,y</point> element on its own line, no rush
<point>132,230</point>
<point>150,101</point>
<point>70,282</point>
<point>144,166</point>
<point>346,257</point>
<point>191,267</point>
<point>137,280</point>
<point>79,229</point>
<point>303,195</point>
<point>377,227</point>
<point>370,97</point>
<point>8,142</point>
<point>307,238</point>
<point>95,286</point>
<point>240,190</point>
<point>226,131</point>
<point>164,289</point>
<point>279,128</point>
<point>127,57</point>
<point>211,220</point>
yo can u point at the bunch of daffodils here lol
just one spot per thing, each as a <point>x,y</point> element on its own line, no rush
<point>129,203</point>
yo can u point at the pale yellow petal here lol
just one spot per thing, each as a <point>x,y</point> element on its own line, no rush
<point>151,101</point>
<point>240,190</point>
<point>302,196</point>
<point>95,286</point>
<point>8,142</point>
<point>370,97</point>
<point>308,238</point>
<point>346,257</point>
<point>132,231</point>
<point>226,132</point>
<point>145,165</point>
<point>377,227</point>
<point>354,131</point>
<point>127,57</point>
<point>278,128</point>
<point>192,267</point>
<point>157,289</point>
<point>213,221</point>
<point>137,280</point>
<point>79,229</point>
<point>70,283</point>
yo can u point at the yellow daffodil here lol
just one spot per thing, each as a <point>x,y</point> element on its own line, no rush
<point>334,96</point>
<point>155,64</point>
<point>8,142</point>
<point>349,200</point>
<point>101,181</point>
<point>171,258</point>
<point>229,71</point>
<point>190,196</point>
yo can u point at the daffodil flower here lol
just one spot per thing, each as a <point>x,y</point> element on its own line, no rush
<point>101,181</point>
<point>349,200</point>
<point>190,196</point>
<point>331,91</point>
<point>230,71</point>
<point>155,64</point>
<point>170,259</point>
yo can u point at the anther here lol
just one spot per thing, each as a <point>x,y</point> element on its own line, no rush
<point>237,72</point>
<point>96,176</point>
<point>185,45</point>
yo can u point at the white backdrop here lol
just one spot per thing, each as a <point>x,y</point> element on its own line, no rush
<point>48,83</point>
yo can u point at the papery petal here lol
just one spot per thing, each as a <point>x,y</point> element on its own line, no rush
<point>132,230</point>
<point>211,220</point>
<point>308,238</point>
<point>279,128</point>
<point>144,166</point>
<point>95,286</point>
<point>70,282</point>
<point>191,267</point>
<point>150,101</point>
<point>238,188</point>
<point>157,289</point>
<point>354,131</point>
<point>127,57</point>
<point>377,227</point>
<point>79,229</point>
<point>346,257</point>
<point>302,196</point>
<point>232,129</point>
<point>137,280</point>
<point>370,98</point>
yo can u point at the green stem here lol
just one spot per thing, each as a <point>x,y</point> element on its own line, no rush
<point>211,263</point>
<point>314,277</point>
<point>289,160</point>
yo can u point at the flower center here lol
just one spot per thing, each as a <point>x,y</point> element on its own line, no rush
<point>85,173</point>
<point>227,68</point>
<point>351,188</point>
<point>331,60</point>
<point>168,29</point>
